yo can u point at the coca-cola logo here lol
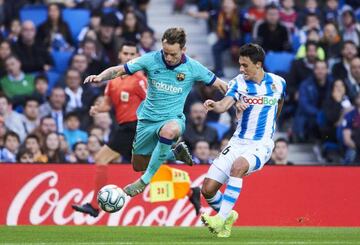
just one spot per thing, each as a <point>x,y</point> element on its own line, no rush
<point>50,204</point>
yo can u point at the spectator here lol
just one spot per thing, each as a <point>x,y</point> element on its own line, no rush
<point>255,13</point>
<point>341,69</point>
<point>47,125</point>
<point>312,22</point>
<point>331,42</point>
<point>25,156</point>
<point>131,28</point>
<point>311,94</point>
<point>64,146</point>
<point>311,8</point>
<point>33,55</point>
<point>72,131</point>
<point>280,153</point>
<point>16,82</point>
<point>196,128</point>
<point>15,29</point>
<point>202,152</point>
<point>97,131</point>
<point>31,115</point>
<point>81,153</point>
<point>103,121</point>
<point>73,90</point>
<point>11,146</point>
<point>228,34</point>
<point>41,88</point>
<point>11,118</point>
<point>349,28</point>
<point>55,107</point>
<point>79,63</point>
<point>288,14</point>
<point>52,148</point>
<point>335,106</point>
<point>353,81</point>
<point>299,71</point>
<point>313,36</point>
<point>109,43</point>
<point>93,27</point>
<point>351,124</point>
<point>94,145</point>
<point>331,11</point>
<point>89,49</point>
<point>270,33</point>
<point>32,143</point>
<point>54,32</point>
<point>5,51</point>
<point>147,41</point>
<point>141,11</point>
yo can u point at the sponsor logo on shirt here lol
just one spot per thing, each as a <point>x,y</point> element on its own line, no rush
<point>166,87</point>
<point>269,101</point>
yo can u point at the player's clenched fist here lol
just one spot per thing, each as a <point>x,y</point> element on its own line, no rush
<point>92,79</point>
<point>209,105</point>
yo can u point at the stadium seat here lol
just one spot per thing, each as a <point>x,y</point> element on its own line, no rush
<point>278,61</point>
<point>76,19</point>
<point>220,128</point>
<point>61,60</point>
<point>36,14</point>
<point>53,78</point>
<point>295,42</point>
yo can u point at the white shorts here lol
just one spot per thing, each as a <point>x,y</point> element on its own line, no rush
<point>257,153</point>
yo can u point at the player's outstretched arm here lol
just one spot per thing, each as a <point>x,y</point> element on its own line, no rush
<point>220,85</point>
<point>108,74</point>
<point>219,106</point>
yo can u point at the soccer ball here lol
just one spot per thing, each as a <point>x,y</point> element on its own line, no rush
<point>111,198</point>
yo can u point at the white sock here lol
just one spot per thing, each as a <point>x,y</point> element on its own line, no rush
<point>215,201</point>
<point>230,196</point>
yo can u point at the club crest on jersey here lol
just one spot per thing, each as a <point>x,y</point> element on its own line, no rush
<point>180,76</point>
<point>273,88</point>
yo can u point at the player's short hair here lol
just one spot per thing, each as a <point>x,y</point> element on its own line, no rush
<point>254,51</point>
<point>129,44</point>
<point>175,35</point>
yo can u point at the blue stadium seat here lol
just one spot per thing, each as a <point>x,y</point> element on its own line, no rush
<point>36,14</point>
<point>76,19</point>
<point>295,41</point>
<point>220,128</point>
<point>53,78</point>
<point>278,61</point>
<point>61,60</point>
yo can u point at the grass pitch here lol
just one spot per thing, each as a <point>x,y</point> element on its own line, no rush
<point>171,235</point>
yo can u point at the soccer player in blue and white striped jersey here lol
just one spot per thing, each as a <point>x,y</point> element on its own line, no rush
<point>259,97</point>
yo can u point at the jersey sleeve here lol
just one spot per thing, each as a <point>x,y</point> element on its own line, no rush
<point>139,64</point>
<point>203,74</point>
<point>233,90</point>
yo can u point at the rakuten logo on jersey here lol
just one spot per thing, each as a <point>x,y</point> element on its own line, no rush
<point>269,101</point>
<point>166,87</point>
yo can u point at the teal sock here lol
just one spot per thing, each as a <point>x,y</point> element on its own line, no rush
<point>158,156</point>
<point>170,156</point>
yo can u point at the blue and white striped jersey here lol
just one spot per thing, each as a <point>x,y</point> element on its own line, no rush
<point>258,121</point>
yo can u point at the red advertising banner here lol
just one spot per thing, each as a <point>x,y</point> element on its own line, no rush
<point>276,196</point>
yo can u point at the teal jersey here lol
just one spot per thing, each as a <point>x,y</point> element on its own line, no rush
<point>168,86</point>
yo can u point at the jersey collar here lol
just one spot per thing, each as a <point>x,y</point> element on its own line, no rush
<point>183,61</point>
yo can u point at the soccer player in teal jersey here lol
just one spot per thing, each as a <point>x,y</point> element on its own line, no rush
<point>171,75</point>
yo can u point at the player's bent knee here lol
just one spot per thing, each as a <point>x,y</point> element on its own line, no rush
<point>170,130</point>
<point>239,167</point>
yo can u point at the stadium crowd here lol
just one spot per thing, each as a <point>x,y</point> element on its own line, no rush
<point>44,106</point>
